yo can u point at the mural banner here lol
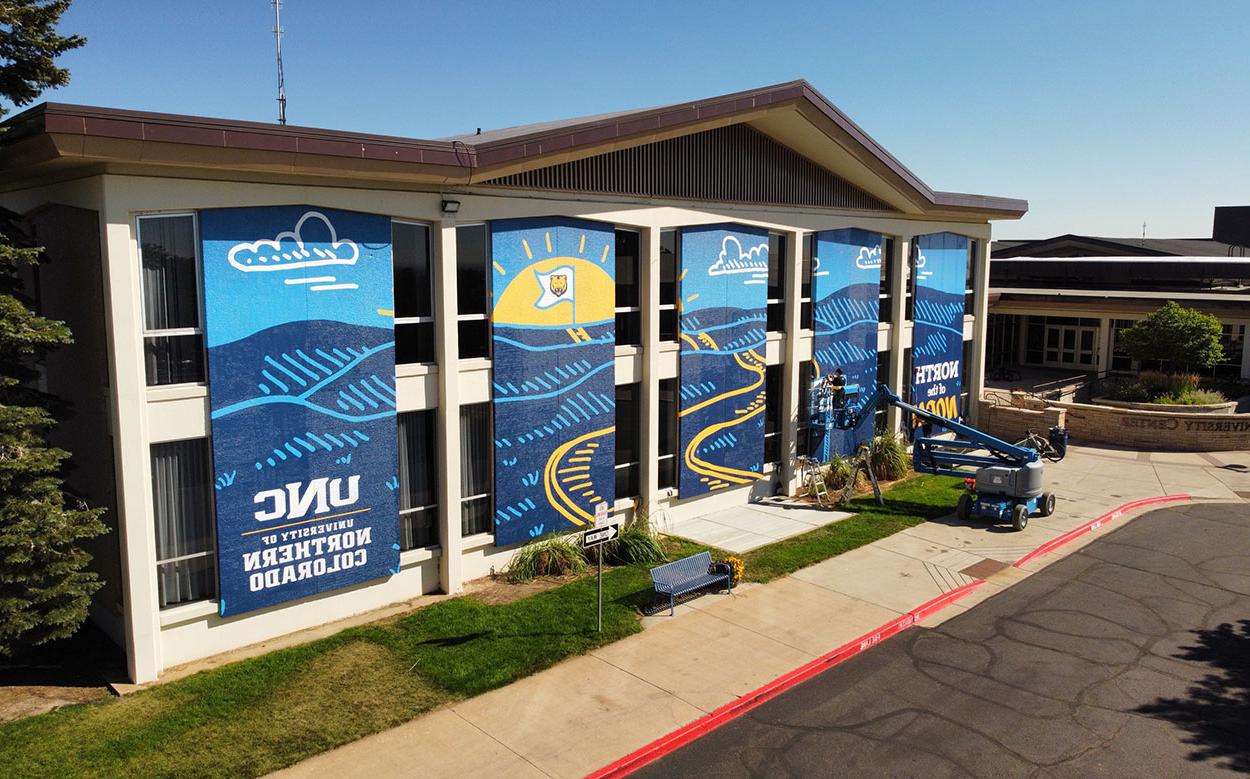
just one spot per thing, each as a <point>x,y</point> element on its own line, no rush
<point>723,303</point>
<point>941,269</point>
<point>301,357</point>
<point>846,282</point>
<point>554,331</point>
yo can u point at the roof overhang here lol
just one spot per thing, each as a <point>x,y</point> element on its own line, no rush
<point>52,138</point>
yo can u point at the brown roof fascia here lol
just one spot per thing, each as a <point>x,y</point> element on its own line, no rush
<point>62,119</point>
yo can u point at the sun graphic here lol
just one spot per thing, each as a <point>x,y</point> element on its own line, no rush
<point>558,290</point>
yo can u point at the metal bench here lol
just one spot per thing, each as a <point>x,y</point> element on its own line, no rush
<point>687,575</point>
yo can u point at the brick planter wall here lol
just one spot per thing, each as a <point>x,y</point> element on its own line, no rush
<point>1147,430</point>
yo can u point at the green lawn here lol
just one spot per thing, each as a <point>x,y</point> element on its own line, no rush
<point>263,713</point>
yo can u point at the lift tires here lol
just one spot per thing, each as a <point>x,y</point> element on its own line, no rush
<point>964,507</point>
<point>1020,516</point>
<point>1046,504</point>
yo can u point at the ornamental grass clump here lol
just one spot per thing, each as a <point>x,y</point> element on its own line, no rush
<point>552,556</point>
<point>635,545</point>
<point>889,457</point>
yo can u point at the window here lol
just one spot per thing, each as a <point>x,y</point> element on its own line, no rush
<point>1233,339</point>
<point>669,262</point>
<point>418,480</point>
<point>772,414</point>
<point>628,289</point>
<point>473,290</point>
<point>807,370</point>
<point>173,336</point>
<point>805,292</point>
<point>182,501</point>
<point>1120,359</point>
<point>886,296</point>
<point>777,261</point>
<point>909,284</point>
<point>883,377</point>
<point>414,307</point>
<point>628,439</point>
<point>477,464</point>
<point>668,434</point>
<point>970,278</point>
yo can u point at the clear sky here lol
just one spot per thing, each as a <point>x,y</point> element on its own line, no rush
<point>1102,113</point>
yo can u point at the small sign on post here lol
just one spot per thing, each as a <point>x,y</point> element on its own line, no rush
<point>597,536</point>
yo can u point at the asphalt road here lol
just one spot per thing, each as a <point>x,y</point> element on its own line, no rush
<point>1130,657</point>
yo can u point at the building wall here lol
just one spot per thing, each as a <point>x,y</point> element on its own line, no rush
<point>142,416</point>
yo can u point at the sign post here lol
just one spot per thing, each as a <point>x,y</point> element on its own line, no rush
<point>597,537</point>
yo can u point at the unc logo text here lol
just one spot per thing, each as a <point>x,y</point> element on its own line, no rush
<point>295,501</point>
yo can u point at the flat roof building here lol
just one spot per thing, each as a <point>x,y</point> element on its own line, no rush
<point>1059,303</point>
<point>319,372</point>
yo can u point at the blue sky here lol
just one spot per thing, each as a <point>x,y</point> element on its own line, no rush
<point>1103,114</point>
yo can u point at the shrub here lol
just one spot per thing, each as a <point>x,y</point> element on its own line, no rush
<point>1158,384</point>
<point>552,556</point>
<point>634,545</point>
<point>889,457</point>
<point>836,473</point>
<point>1183,338</point>
<point>1193,398</point>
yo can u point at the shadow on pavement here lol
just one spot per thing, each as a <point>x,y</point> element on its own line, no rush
<point>1217,709</point>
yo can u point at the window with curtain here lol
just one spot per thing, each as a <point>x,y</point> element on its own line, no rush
<point>182,496</point>
<point>414,305</point>
<point>477,463</point>
<point>418,479</point>
<point>628,289</point>
<point>772,414</point>
<point>777,260</point>
<point>173,336</point>
<point>668,433</point>
<point>628,439</point>
<point>473,290</point>
<point>669,264</point>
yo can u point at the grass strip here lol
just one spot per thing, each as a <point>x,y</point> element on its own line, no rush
<point>267,712</point>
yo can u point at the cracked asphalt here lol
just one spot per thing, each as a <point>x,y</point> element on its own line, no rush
<point>1129,657</point>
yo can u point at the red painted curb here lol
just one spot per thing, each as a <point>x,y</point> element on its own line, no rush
<point>1094,524</point>
<point>709,722</point>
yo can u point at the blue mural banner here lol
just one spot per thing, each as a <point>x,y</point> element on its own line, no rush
<point>941,268</point>
<point>301,357</point>
<point>846,282</point>
<point>554,383</point>
<point>724,296</point>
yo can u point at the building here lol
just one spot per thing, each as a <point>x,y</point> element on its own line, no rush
<point>1059,303</point>
<point>535,280</point>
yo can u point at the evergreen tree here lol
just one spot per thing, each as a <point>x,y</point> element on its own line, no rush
<point>45,587</point>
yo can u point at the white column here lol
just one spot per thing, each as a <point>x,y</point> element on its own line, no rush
<point>1103,357</point>
<point>132,457</point>
<point>649,400</point>
<point>898,312</point>
<point>975,373</point>
<point>448,354</point>
<point>791,392</point>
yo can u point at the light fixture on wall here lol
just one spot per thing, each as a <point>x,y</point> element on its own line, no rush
<point>451,206</point>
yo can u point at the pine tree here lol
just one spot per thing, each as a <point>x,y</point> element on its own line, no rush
<point>45,585</point>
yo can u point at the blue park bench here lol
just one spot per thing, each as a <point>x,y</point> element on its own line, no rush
<point>687,575</point>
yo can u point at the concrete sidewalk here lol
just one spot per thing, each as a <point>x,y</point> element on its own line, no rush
<point>591,710</point>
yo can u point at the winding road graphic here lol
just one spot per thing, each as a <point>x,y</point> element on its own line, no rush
<point>737,407</point>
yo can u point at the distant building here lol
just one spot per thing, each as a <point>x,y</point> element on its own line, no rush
<point>1061,302</point>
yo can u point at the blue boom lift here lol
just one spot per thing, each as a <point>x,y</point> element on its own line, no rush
<point>1006,484</point>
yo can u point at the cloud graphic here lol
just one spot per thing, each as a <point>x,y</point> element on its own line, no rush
<point>734,260</point>
<point>286,251</point>
<point>868,259</point>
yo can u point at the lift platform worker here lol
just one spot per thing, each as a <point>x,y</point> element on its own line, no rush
<point>837,386</point>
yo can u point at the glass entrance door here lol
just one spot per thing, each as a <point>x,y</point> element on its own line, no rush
<point>1070,346</point>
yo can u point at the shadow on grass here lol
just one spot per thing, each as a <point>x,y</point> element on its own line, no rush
<point>1217,708</point>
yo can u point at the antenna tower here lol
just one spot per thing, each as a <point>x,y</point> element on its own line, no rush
<point>277,39</point>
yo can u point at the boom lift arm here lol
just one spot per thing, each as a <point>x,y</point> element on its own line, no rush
<point>946,457</point>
